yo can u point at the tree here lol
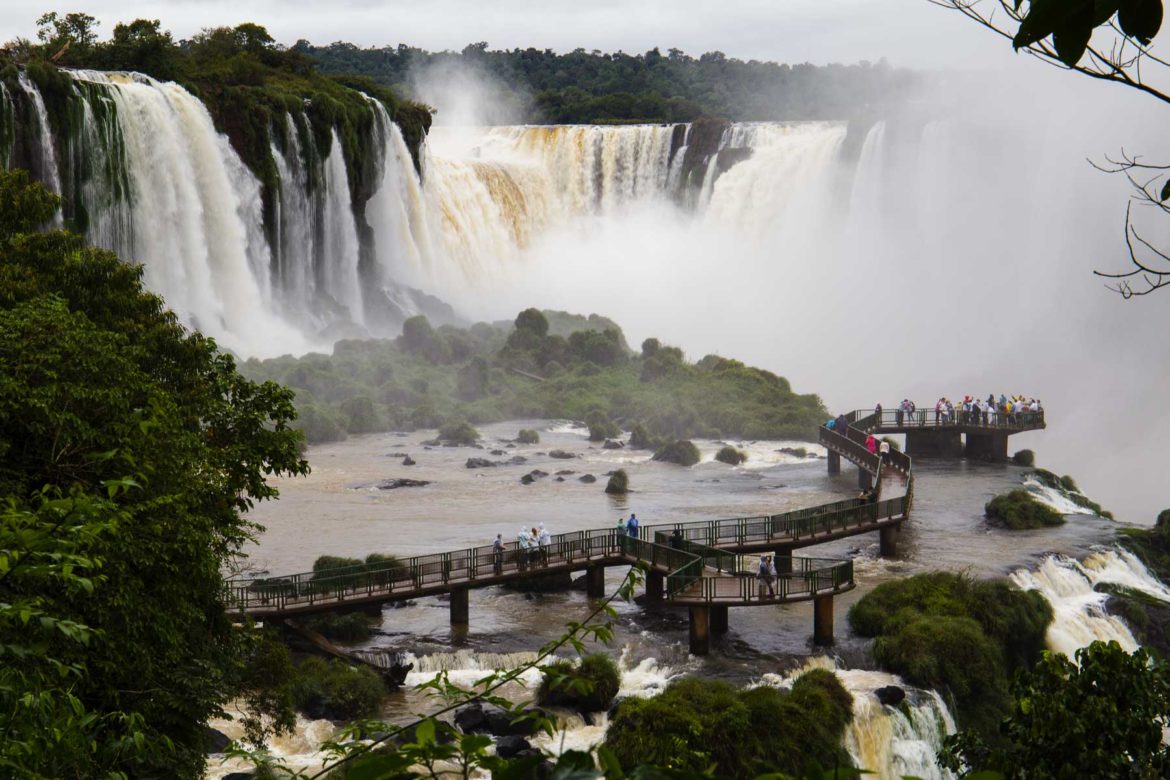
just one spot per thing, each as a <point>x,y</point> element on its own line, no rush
<point>1061,33</point>
<point>1100,717</point>
<point>100,383</point>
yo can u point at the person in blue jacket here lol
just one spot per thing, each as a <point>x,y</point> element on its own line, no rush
<point>632,526</point>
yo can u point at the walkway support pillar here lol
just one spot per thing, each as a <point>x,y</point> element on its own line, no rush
<point>700,630</point>
<point>783,561</point>
<point>459,610</point>
<point>864,479</point>
<point>889,541</point>
<point>654,587</point>
<point>991,446</point>
<point>934,443</point>
<point>834,463</point>
<point>822,620</point>
<point>718,620</point>
<point>595,582</point>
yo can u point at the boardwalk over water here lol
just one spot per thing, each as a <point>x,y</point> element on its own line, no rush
<point>700,565</point>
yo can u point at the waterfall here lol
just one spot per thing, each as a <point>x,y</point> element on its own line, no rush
<point>47,162</point>
<point>340,277</point>
<point>1079,615</point>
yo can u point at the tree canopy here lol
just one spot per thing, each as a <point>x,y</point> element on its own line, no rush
<point>130,450</point>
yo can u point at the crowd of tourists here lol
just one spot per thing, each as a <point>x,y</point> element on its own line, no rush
<point>990,412</point>
<point>532,544</point>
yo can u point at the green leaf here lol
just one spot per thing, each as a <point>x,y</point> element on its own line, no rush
<point>1140,19</point>
<point>1072,38</point>
<point>1166,190</point>
<point>1103,10</point>
<point>1044,16</point>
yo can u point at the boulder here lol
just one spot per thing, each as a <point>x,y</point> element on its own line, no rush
<point>238,776</point>
<point>890,695</point>
<point>470,719</point>
<point>498,452</point>
<point>517,460</point>
<point>610,444</point>
<point>588,479</point>
<point>511,745</point>
<point>432,443</point>
<point>561,455</point>
<point>559,479</point>
<point>401,482</point>
<point>408,461</point>
<point>527,479</point>
<point>543,770</point>
<point>480,463</point>
<point>216,741</point>
<point>565,472</point>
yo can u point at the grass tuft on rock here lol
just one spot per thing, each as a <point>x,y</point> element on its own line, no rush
<point>1020,510</point>
<point>731,456</point>
<point>527,436</point>
<point>336,690</point>
<point>619,483</point>
<point>589,686</point>
<point>459,432</point>
<point>682,452</point>
<point>1024,458</point>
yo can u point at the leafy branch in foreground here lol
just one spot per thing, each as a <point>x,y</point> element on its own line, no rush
<point>1107,40</point>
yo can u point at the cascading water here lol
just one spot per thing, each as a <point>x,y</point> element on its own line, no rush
<point>1070,586</point>
<point>47,164</point>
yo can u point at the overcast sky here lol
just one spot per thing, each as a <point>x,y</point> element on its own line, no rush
<point>906,32</point>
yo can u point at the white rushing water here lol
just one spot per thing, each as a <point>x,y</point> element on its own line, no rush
<point>1079,608</point>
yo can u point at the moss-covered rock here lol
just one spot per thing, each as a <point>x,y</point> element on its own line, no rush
<point>1024,458</point>
<point>696,723</point>
<point>619,483</point>
<point>458,432</point>
<point>601,427</point>
<point>682,452</point>
<point>963,637</point>
<point>1067,487</point>
<point>730,455</point>
<point>589,686</point>
<point>528,436</point>
<point>336,691</point>
<point>1020,510</point>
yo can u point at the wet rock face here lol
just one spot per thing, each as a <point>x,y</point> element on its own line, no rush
<point>480,463</point>
<point>890,695</point>
<point>561,455</point>
<point>391,484</point>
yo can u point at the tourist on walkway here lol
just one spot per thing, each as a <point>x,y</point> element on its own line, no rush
<point>900,412</point>
<point>498,554</point>
<point>544,539</point>
<point>632,526</point>
<point>534,550</point>
<point>871,444</point>
<point>676,539</point>
<point>764,577</point>
<point>884,450</point>
<point>523,541</point>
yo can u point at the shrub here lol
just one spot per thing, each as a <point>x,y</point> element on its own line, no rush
<point>589,686</point>
<point>601,427</point>
<point>1163,521</point>
<point>458,432</point>
<point>683,452</point>
<point>730,455</point>
<point>528,436</point>
<point>695,723</point>
<point>360,416</point>
<point>1024,458</point>
<point>345,627</point>
<point>337,691</point>
<point>639,438</point>
<point>619,482</point>
<point>956,634</point>
<point>1020,510</point>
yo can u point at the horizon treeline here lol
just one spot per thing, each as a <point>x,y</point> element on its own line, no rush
<point>595,87</point>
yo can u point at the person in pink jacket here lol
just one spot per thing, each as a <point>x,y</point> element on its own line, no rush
<point>871,444</point>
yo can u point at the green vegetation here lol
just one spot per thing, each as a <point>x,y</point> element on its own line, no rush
<point>342,626</point>
<point>589,87</point>
<point>963,637</point>
<point>619,483</point>
<point>1067,487</point>
<point>129,450</point>
<point>730,455</point>
<point>601,427</point>
<point>336,690</point>
<point>413,382</point>
<point>589,686</point>
<point>1020,510</point>
<point>458,432</point>
<point>695,723</point>
<point>251,85</point>
<point>1101,717</point>
<point>528,436</point>
<point>682,452</point>
<point>1024,458</point>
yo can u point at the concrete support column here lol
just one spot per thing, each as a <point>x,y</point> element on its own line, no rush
<point>864,479</point>
<point>595,582</point>
<point>822,620</point>
<point>459,608</point>
<point>700,630</point>
<point>834,463</point>
<point>889,541</point>
<point>991,446</point>
<point>718,621</point>
<point>654,587</point>
<point>934,443</point>
<point>783,561</point>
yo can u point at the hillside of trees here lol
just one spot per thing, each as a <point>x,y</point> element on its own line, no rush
<point>589,87</point>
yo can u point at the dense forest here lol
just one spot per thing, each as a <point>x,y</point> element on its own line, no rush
<point>546,364</point>
<point>582,87</point>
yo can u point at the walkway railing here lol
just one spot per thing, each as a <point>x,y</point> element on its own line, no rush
<point>808,577</point>
<point>930,418</point>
